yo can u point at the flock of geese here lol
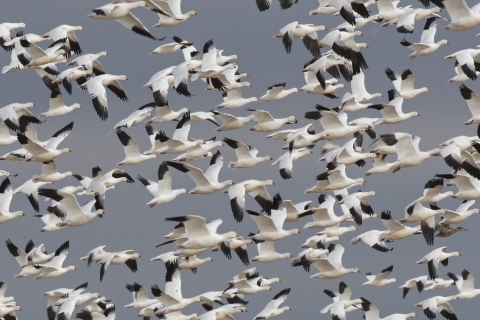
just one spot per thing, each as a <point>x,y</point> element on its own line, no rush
<point>57,57</point>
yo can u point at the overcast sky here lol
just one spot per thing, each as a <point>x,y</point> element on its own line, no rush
<point>238,28</point>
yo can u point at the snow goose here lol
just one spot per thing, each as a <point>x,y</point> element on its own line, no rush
<point>58,107</point>
<point>137,116</point>
<point>323,216</point>
<point>356,202</point>
<point>78,74</point>
<point>54,268</point>
<point>230,122</point>
<point>50,173</point>
<point>284,161</point>
<point>307,32</point>
<point>272,309</point>
<point>383,148</point>
<point>358,88</point>
<point>381,279</point>
<point>404,84</point>
<point>405,23</point>
<point>74,299</point>
<point>12,113</point>
<point>65,34</point>
<point>372,312</point>
<point>302,138</point>
<point>221,60</point>
<point>247,155</point>
<point>461,16</point>
<point>313,86</point>
<point>107,314</point>
<point>162,191</point>
<point>202,115</point>
<point>210,66</point>
<point>233,99</point>
<point>129,257</point>
<point>460,214</point>
<point>254,188</point>
<point>172,47</point>
<point>267,253</point>
<point>239,245</point>
<point>347,8</point>
<point>432,193</point>
<point>461,76</point>
<point>467,59</point>
<point>431,305</point>
<point>7,33</point>
<point>165,113</point>
<point>57,294</point>
<point>468,187</point>
<point>415,283</point>
<point>140,296</point>
<point>333,122</point>
<point>336,231</point>
<point>323,8</point>
<point>8,310</point>
<point>38,56</point>
<point>406,146</point>
<point>208,298</point>
<point>225,81</point>
<point>132,154</point>
<point>121,13</point>
<point>96,89</point>
<point>30,188</point>
<point>392,111</point>
<point>200,150</point>
<point>307,257</point>
<point>397,230</point>
<point>266,123</point>
<point>90,62</point>
<point>49,151</point>
<point>21,257</point>
<point>331,267</point>
<point>344,293</point>
<point>95,255</point>
<point>271,228</point>
<point>171,14</point>
<point>465,285</point>
<point>3,289</point>
<point>76,216</point>
<point>439,284</point>
<point>426,45</point>
<point>360,22</point>
<point>434,257</point>
<point>6,196</point>
<point>389,11</point>
<point>373,239</point>
<point>199,235</point>
<point>5,137</point>
<point>293,210</point>
<point>416,212</point>
<point>338,179</point>
<point>473,101</point>
<point>343,44</point>
<point>249,285</point>
<point>318,242</point>
<point>348,155</point>
<point>351,104</point>
<point>206,183</point>
<point>180,141</point>
<point>277,92</point>
<point>320,67</point>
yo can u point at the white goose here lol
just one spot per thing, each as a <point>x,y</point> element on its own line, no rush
<point>373,239</point>
<point>21,257</point>
<point>6,196</point>
<point>12,113</point>
<point>55,295</point>
<point>202,116</point>
<point>172,16</point>
<point>200,150</point>
<point>38,56</point>
<point>465,285</point>
<point>468,187</point>
<point>210,66</point>
<point>392,111</point>
<point>415,283</point>
<point>231,122</point>
<point>78,74</point>
<point>397,230</point>
<point>331,267</point>
<point>389,11</point>
<point>254,188</point>
<point>247,155</point>
<point>272,309</point>
<point>334,123</point>
<point>323,216</point>
<point>380,279</point>
<point>473,101</point>
<point>350,103</point>
<point>436,256</point>
<point>431,305</point>
<point>302,138</point>
<point>277,92</point>
<point>132,153</point>
<point>285,162</point>
<point>358,88</point>
<point>54,268</point>
<point>165,113</point>
<point>338,179</point>
<point>460,214</point>
<point>172,47</point>
<point>95,255</point>
<point>129,257</point>
<point>199,235</point>
<point>58,107</point>
<point>90,62</point>
<point>404,84</point>
<point>466,61</point>
<point>307,32</point>
<point>426,45</point>
<point>50,173</point>
<point>266,123</point>
<point>76,216</point>
<point>439,284</point>
<point>405,23</point>
<point>267,253</point>
<point>30,189</point>
<point>233,99</point>
<point>461,16</point>
<point>407,149</point>
<point>96,89</point>
<point>206,183</point>
<point>180,141</point>
<point>162,191</point>
<point>431,192</point>
<point>372,313</point>
<point>293,210</point>
<point>121,13</point>
<point>348,155</point>
<point>136,117</point>
<point>5,137</point>
<point>140,296</point>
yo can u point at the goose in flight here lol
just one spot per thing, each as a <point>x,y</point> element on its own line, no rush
<point>307,32</point>
<point>247,155</point>
<point>6,195</point>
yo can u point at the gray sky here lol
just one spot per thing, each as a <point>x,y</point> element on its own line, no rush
<point>238,28</point>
